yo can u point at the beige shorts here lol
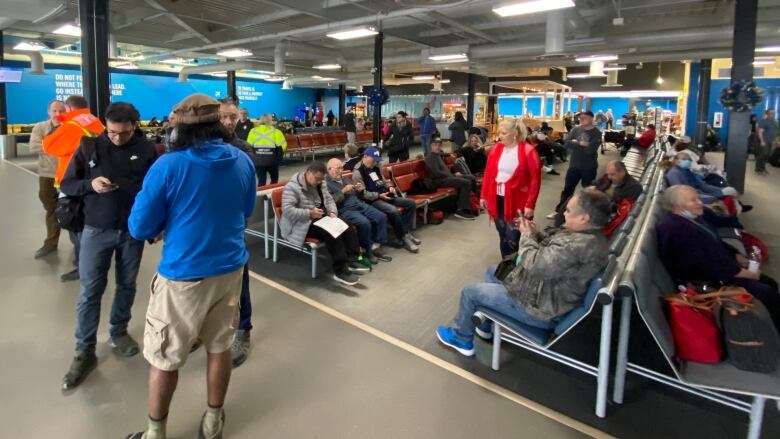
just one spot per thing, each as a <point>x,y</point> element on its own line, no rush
<point>181,312</point>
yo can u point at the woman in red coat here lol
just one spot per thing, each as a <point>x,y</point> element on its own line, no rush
<point>513,176</point>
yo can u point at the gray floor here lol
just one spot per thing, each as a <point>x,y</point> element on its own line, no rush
<point>310,375</point>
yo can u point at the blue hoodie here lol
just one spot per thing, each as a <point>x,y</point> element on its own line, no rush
<point>200,197</point>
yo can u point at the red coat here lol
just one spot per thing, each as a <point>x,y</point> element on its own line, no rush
<point>646,138</point>
<point>520,191</point>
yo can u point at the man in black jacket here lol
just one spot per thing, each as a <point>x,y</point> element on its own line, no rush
<point>442,177</point>
<point>107,172</point>
<point>618,183</point>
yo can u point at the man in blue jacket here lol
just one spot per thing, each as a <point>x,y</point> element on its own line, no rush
<point>198,196</point>
<point>427,127</point>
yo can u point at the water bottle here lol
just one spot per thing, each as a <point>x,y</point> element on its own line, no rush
<point>755,257</point>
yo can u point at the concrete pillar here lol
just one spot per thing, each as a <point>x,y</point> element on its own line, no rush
<point>378,46</point>
<point>703,100</point>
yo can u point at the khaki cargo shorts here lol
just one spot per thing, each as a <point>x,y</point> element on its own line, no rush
<point>181,312</point>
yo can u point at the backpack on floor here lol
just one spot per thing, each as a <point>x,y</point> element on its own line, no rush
<point>774,158</point>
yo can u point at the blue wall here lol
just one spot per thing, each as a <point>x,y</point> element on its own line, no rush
<point>771,88</point>
<point>153,94</point>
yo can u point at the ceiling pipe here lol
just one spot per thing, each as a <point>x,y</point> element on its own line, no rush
<point>555,36</point>
<point>36,62</point>
<point>279,67</point>
<point>289,83</point>
<point>245,65</point>
<point>458,25</point>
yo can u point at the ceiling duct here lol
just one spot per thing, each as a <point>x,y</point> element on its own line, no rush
<point>612,79</point>
<point>596,68</point>
<point>279,67</point>
<point>36,62</point>
<point>248,65</point>
<point>555,36</point>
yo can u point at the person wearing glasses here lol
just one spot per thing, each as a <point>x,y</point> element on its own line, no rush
<point>107,171</point>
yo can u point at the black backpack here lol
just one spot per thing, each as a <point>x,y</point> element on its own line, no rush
<point>774,158</point>
<point>70,209</point>
<point>752,342</point>
<point>422,186</point>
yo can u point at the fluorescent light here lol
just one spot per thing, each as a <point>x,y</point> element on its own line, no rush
<point>423,77</point>
<point>532,7</point>
<point>69,29</point>
<point>262,72</point>
<point>659,80</point>
<point>353,33</point>
<point>30,46</point>
<point>234,53</point>
<point>320,78</point>
<point>127,66</point>
<point>451,57</point>
<point>275,78</point>
<point>176,61</point>
<point>219,74</point>
<point>578,75</point>
<point>597,58</point>
<point>444,81</point>
<point>768,49</point>
<point>631,94</point>
<point>763,61</point>
<point>327,66</point>
<point>613,68</point>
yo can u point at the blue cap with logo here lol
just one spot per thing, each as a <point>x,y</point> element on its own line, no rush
<point>373,153</point>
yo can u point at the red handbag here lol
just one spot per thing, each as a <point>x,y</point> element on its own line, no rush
<point>750,241</point>
<point>623,209</point>
<point>695,332</point>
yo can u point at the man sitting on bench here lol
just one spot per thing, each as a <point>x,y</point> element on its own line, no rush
<point>442,177</point>
<point>550,279</point>
<point>618,183</point>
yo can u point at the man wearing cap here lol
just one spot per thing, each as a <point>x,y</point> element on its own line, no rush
<point>198,197</point>
<point>583,143</point>
<point>382,195</point>
<point>442,177</point>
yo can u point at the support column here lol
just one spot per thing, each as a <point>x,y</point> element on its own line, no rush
<point>3,103</point>
<point>703,100</point>
<point>470,99</point>
<point>743,47</point>
<point>342,102</point>
<point>231,86</point>
<point>492,112</point>
<point>378,46</point>
<point>93,16</point>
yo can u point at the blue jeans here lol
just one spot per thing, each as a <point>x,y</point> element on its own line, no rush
<point>494,296</point>
<point>371,223</point>
<point>508,235</point>
<point>97,248</point>
<point>75,238</point>
<point>402,222</point>
<point>245,303</point>
<point>425,140</point>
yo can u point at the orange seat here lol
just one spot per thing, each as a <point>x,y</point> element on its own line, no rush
<point>341,137</point>
<point>318,140</point>
<point>305,141</point>
<point>292,142</point>
<point>365,136</point>
<point>332,138</point>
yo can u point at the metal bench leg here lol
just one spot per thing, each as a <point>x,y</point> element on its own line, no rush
<point>265,225</point>
<point>756,417</point>
<point>313,262</point>
<point>425,213</point>
<point>496,347</point>
<point>276,240</point>
<point>622,350</point>
<point>602,380</point>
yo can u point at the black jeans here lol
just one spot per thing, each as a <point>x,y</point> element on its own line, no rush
<point>262,171</point>
<point>340,249</point>
<point>574,176</point>
<point>464,187</point>
<point>400,156</point>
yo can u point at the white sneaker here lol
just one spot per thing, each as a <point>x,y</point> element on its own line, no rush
<point>551,215</point>
<point>375,246</point>
<point>546,169</point>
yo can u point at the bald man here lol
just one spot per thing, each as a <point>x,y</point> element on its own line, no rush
<point>618,183</point>
<point>371,223</point>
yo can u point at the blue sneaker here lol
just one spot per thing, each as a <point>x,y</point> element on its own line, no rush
<point>449,338</point>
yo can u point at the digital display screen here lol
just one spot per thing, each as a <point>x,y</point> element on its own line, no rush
<point>8,74</point>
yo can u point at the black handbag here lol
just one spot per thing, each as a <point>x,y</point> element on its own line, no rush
<point>506,266</point>
<point>70,209</point>
<point>751,339</point>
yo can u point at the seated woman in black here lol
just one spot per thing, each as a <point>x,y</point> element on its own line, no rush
<point>691,251</point>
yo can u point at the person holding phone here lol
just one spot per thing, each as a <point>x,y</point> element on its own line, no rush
<point>107,173</point>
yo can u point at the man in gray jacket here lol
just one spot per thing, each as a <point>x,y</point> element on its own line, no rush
<point>550,278</point>
<point>442,177</point>
<point>46,166</point>
<point>304,201</point>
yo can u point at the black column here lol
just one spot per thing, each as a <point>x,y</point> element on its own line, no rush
<point>378,45</point>
<point>342,102</point>
<point>703,101</point>
<point>743,47</point>
<point>472,80</point>
<point>231,85</point>
<point>93,16</point>
<point>3,104</point>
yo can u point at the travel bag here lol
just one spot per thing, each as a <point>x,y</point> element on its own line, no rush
<point>751,339</point>
<point>70,209</point>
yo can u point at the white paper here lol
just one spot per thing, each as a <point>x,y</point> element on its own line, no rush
<point>334,226</point>
<point>374,176</point>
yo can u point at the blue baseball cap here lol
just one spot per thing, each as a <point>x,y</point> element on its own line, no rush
<point>373,153</point>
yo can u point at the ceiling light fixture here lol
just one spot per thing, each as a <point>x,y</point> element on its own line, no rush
<point>353,33</point>
<point>597,58</point>
<point>30,46</point>
<point>275,78</point>
<point>659,79</point>
<point>127,66</point>
<point>234,53</point>
<point>763,61</point>
<point>578,75</point>
<point>423,77</point>
<point>219,74</point>
<point>327,66</point>
<point>532,7</point>
<point>176,61</point>
<point>768,49</point>
<point>444,81</point>
<point>455,57</point>
<point>613,68</point>
<point>69,29</point>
